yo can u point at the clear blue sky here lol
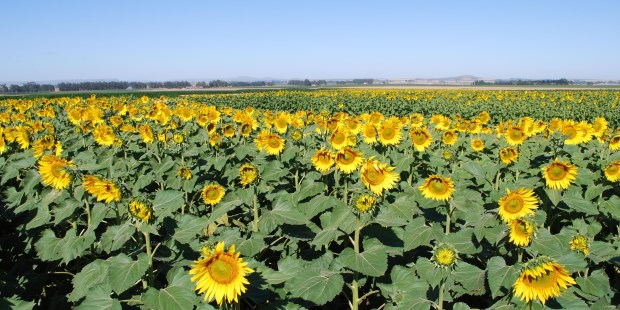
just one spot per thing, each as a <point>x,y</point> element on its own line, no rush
<point>171,40</point>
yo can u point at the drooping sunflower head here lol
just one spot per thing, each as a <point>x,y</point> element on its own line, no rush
<point>141,210</point>
<point>437,188</point>
<point>517,204</point>
<point>297,135</point>
<point>220,274</point>
<point>580,243</point>
<point>377,176</point>
<point>323,160</point>
<point>540,279</point>
<point>521,231</point>
<point>421,138</point>
<point>444,256</point>
<point>247,174</point>
<point>612,171</point>
<point>184,173</point>
<point>449,137</point>
<point>477,144</point>
<point>508,155</point>
<point>614,142</point>
<point>364,203</point>
<point>54,173</point>
<point>108,191</point>
<point>212,194</point>
<point>559,174</point>
<point>228,131</point>
<point>348,160</point>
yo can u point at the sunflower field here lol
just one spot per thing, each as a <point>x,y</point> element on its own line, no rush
<point>360,199</point>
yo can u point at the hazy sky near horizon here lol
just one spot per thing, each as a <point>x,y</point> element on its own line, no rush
<point>165,40</point>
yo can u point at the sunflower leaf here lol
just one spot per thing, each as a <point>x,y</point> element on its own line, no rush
<point>124,272</point>
<point>91,275</point>
<point>317,285</point>
<point>500,276</point>
<point>371,262</point>
<point>166,203</point>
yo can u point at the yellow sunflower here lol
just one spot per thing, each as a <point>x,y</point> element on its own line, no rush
<point>559,174</point>
<point>444,256</point>
<point>515,135</point>
<point>146,133</point>
<point>421,138</point>
<point>107,191</point>
<point>365,203</point>
<point>339,139</point>
<point>247,174</point>
<point>572,133</point>
<point>614,142</point>
<point>141,210</point>
<point>2,145</point>
<point>390,133</point>
<point>104,135</point>
<point>599,126</point>
<point>612,171</point>
<point>477,144</point>
<point>54,173</point>
<point>274,144</point>
<point>228,131</point>
<point>377,176</point>
<point>348,160</point>
<point>580,243</point>
<point>184,173</point>
<point>369,133</point>
<point>508,155</point>
<point>220,274</point>
<point>212,194</point>
<point>323,160</point>
<point>540,279</point>
<point>517,204</point>
<point>521,231</point>
<point>449,137</point>
<point>437,188</point>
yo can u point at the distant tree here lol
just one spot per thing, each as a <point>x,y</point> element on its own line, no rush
<point>201,84</point>
<point>4,88</point>
<point>307,82</point>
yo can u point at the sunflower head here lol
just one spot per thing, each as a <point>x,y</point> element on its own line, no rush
<point>517,204</point>
<point>248,173</point>
<point>141,210</point>
<point>221,274</point>
<point>364,203</point>
<point>508,155</point>
<point>421,138</point>
<point>348,160</point>
<point>521,231</point>
<point>559,174</point>
<point>54,173</point>
<point>449,137</point>
<point>437,188</point>
<point>477,144</point>
<point>580,243</point>
<point>540,279</point>
<point>212,194</point>
<point>369,133</point>
<point>296,135</point>
<point>612,171</point>
<point>614,142</point>
<point>377,176</point>
<point>515,135</point>
<point>184,173</point>
<point>323,160</point>
<point>177,138</point>
<point>390,133</point>
<point>444,256</point>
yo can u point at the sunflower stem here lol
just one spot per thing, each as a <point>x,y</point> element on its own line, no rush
<point>297,179</point>
<point>440,301</point>
<point>346,191</point>
<point>448,219</point>
<point>255,210</point>
<point>87,207</point>
<point>147,240</point>
<point>356,247</point>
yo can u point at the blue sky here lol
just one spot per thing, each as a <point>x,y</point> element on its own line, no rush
<point>166,40</point>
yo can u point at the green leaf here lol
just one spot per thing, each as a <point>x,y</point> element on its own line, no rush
<point>611,207</point>
<point>43,217</point>
<point>99,298</point>
<point>317,286</point>
<point>500,276</point>
<point>228,203</point>
<point>189,226</point>
<point>169,298</point>
<point>15,303</point>
<point>251,246</point>
<point>574,200</point>
<point>462,241</point>
<point>115,237</point>
<point>547,244</point>
<point>308,188</point>
<point>597,284</point>
<point>65,209</point>
<point>284,213</point>
<point>417,233</point>
<point>318,204</point>
<point>124,272</point>
<point>91,275</point>
<point>471,279</point>
<point>372,261</point>
<point>166,202</point>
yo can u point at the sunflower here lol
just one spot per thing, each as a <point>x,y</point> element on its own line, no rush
<point>2,145</point>
<point>389,133</point>
<point>477,144</point>
<point>184,173</point>
<point>369,133</point>
<point>212,194</point>
<point>339,139</point>
<point>228,131</point>
<point>541,278</point>
<point>572,133</point>
<point>141,210</point>
<point>559,174</point>
<point>247,174</point>
<point>437,188</point>
<point>54,173</point>
<point>348,159</point>
<point>107,191</point>
<point>220,274</point>
<point>297,135</point>
<point>508,155</point>
<point>612,171</point>
<point>177,138</point>
<point>281,122</point>
<point>515,135</point>
<point>449,137</point>
<point>273,144</point>
<point>516,204</point>
<point>444,256</point>
<point>521,231</point>
<point>599,126</point>
<point>614,142</point>
<point>580,243</point>
<point>365,203</point>
<point>323,160</point>
<point>146,133</point>
<point>421,138</point>
<point>377,176</point>
<point>215,139</point>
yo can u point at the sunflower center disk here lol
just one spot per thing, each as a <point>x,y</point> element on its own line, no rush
<point>338,138</point>
<point>545,281</point>
<point>222,270</point>
<point>375,177</point>
<point>273,142</point>
<point>419,138</point>
<point>514,204</point>
<point>388,133</point>
<point>212,194</point>
<point>57,170</point>
<point>613,170</point>
<point>346,158</point>
<point>557,172</point>
<point>438,187</point>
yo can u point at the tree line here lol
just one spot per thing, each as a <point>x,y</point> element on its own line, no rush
<point>306,82</point>
<point>525,82</point>
<point>30,87</point>
<point>220,83</point>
